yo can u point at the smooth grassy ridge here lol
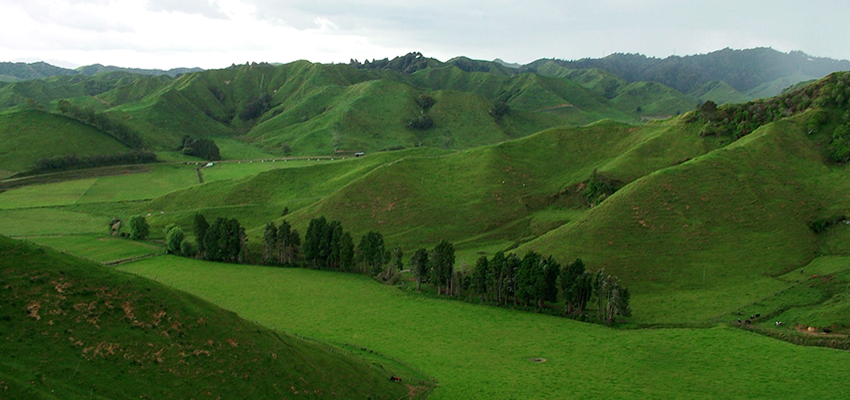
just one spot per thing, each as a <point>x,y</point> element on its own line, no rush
<point>75,329</point>
<point>483,352</point>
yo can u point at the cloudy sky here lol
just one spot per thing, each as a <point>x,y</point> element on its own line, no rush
<point>217,33</point>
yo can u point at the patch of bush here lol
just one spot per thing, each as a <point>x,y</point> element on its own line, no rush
<point>822,224</point>
<point>421,122</point>
<point>200,147</point>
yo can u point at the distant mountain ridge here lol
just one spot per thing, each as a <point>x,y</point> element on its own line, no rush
<point>743,70</point>
<point>19,71</point>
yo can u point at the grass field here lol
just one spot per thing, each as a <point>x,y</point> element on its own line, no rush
<point>484,352</point>
<point>98,248</point>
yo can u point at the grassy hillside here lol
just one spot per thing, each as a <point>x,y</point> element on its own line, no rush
<point>74,329</point>
<point>30,135</point>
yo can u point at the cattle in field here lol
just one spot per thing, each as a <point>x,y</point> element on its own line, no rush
<point>395,379</point>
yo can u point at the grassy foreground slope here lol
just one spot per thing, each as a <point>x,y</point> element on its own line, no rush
<point>74,329</point>
<point>478,352</point>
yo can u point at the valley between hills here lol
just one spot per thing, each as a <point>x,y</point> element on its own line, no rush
<point>713,209</point>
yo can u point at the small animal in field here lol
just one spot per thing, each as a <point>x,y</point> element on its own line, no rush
<point>395,379</point>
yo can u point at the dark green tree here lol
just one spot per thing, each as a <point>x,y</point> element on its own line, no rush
<point>480,276</point>
<point>200,226</point>
<point>442,261</point>
<point>315,242</point>
<point>225,241</point>
<point>139,228</point>
<point>576,284</point>
<point>173,239</point>
<point>371,250</point>
<point>512,264</point>
<point>497,278</point>
<point>419,266</point>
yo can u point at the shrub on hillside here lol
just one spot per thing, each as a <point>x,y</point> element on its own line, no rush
<point>421,122</point>
<point>200,147</point>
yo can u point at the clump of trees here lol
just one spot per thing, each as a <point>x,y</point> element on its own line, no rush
<point>121,132</point>
<point>281,244</point>
<point>139,228</point>
<point>500,109</point>
<point>73,161</point>
<point>535,280</point>
<point>327,246</point>
<point>200,147</point>
<point>597,188</point>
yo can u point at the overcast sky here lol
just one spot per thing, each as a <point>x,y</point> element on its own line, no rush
<point>217,33</point>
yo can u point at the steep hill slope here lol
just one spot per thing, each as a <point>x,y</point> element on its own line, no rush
<point>76,329</point>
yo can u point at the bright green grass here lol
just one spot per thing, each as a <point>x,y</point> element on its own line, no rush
<point>50,194</point>
<point>241,169</point>
<point>30,135</point>
<point>98,248</point>
<point>159,180</point>
<point>484,352</point>
<point>50,221</point>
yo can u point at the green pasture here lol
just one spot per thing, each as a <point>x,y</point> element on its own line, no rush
<point>98,248</point>
<point>488,353</point>
<point>50,221</point>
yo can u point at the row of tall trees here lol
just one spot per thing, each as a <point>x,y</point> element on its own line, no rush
<point>536,280</point>
<point>223,240</point>
<point>328,246</point>
<point>281,244</point>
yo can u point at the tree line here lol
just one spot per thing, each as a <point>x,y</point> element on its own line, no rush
<point>121,132</point>
<point>73,161</point>
<point>533,281</point>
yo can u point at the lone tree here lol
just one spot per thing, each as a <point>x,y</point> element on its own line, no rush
<point>139,228</point>
<point>174,239</point>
